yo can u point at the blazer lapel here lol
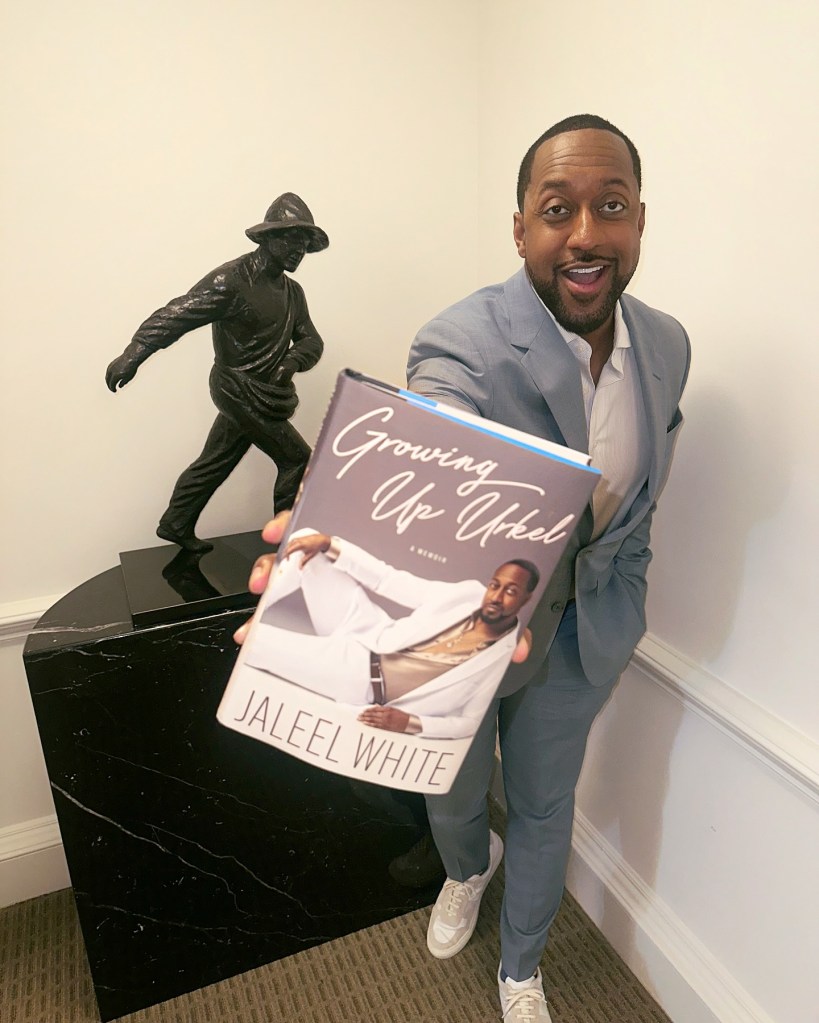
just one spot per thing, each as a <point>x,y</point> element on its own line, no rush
<point>650,369</point>
<point>548,360</point>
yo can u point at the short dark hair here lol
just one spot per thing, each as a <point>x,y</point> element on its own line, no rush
<point>527,566</point>
<point>574,123</point>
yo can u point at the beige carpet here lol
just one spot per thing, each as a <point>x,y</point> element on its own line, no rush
<point>382,974</point>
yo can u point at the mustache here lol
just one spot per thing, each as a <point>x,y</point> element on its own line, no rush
<point>587,257</point>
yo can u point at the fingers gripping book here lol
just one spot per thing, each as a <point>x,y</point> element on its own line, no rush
<point>419,545</point>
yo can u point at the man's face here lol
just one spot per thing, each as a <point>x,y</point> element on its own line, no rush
<point>505,595</point>
<point>580,229</point>
<point>286,248</point>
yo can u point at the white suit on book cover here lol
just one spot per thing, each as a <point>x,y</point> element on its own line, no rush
<point>350,626</point>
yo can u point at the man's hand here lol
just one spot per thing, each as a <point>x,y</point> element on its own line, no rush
<point>263,566</point>
<point>283,374</point>
<point>310,545</point>
<point>385,717</point>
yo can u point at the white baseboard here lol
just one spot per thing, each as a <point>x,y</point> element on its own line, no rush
<point>32,861</point>
<point>679,972</point>
<point>685,978</point>
<point>672,964</point>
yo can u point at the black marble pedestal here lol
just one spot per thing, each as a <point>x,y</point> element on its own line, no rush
<point>195,853</point>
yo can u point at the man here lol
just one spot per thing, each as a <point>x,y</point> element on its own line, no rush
<point>432,672</point>
<point>560,351</point>
<point>262,336</point>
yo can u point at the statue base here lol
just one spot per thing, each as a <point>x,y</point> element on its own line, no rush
<point>168,584</point>
<point>195,853</point>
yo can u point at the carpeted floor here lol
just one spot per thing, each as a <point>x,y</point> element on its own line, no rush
<point>382,974</point>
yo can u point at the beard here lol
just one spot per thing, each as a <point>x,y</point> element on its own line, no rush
<point>496,620</point>
<point>575,320</point>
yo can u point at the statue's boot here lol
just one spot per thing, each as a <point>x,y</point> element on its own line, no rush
<point>185,538</point>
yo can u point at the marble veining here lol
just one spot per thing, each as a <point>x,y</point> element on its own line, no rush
<point>195,853</point>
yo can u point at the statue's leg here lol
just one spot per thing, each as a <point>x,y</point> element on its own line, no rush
<point>223,450</point>
<point>291,461</point>
<point>282,443</point>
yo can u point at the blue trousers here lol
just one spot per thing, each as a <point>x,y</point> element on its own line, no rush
<point>543,729</point>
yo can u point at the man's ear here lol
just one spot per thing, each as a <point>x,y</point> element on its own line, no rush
<point>519,232</point>
<point>641,220</point>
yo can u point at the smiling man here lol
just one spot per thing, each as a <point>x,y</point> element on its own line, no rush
<point>430,672</point>
<point>560,351</point>
<point>262,336</point>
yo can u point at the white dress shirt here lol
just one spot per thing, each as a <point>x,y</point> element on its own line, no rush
<point>615,419</point>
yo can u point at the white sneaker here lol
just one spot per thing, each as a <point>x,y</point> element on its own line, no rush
<point>455,912</point>
<point>523,1001</point>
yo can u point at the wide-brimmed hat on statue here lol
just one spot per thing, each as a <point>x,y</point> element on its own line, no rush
<point>286,212</point>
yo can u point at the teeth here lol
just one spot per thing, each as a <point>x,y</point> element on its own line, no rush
<point>586,270</point>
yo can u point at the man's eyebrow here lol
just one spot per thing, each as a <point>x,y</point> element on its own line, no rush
<point>561,184</point>
<point>553,184</point>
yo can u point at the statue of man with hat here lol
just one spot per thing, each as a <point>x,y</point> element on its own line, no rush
<point>262,336</point>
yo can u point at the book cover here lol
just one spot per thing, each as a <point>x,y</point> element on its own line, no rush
<point>419,545</point>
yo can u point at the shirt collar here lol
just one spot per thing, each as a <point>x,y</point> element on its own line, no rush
<point>621,335</point>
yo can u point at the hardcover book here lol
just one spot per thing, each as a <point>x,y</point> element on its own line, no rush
<point>419,545</point>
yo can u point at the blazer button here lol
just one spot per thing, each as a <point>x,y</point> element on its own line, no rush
<point>557,607</point>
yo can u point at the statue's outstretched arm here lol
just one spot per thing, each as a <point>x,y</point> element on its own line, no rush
<point>206,301</point>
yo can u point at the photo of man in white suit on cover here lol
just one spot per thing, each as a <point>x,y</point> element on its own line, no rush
<point>431,672</point>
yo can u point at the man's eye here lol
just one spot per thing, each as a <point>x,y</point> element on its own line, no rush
<point>613,206</point>
<point>556,210</point>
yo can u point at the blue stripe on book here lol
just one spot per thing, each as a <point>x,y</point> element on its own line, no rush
<point>433,406</point>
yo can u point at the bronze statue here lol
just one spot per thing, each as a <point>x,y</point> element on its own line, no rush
<point>262,335</point>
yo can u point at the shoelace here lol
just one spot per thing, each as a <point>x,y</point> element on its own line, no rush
<point>456,891</point>
<point>525,1004</point>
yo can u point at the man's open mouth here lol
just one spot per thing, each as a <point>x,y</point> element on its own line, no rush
<point>585,274</point>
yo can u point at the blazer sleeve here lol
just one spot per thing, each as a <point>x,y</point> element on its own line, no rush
<point>465,703</point>
<point>466,719</point>
<point>445,363</point>
<point>455,726</point>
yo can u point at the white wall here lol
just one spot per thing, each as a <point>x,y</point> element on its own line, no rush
<point>698,831</point>
<point>718,103</point>
<point>140,139</point>
<point>143,138</point>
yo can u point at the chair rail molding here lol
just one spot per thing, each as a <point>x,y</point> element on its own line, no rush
<point>18,617</point>
<point>789,752</point>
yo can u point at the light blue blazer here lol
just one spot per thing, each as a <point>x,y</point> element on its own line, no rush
<point>498,353</point>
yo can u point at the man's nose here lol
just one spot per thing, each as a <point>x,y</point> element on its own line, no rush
<point>585,232</point>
